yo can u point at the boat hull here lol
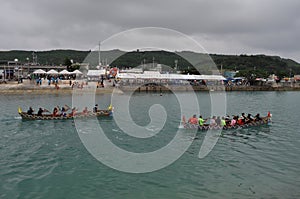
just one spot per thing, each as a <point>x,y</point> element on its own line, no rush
<point>101,113</point>
<point>265,121</point>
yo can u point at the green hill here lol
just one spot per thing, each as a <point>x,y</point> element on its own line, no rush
<point>52,57</point>
<point>262,65</point>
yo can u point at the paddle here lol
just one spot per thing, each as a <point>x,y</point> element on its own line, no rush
<point>46,110</point>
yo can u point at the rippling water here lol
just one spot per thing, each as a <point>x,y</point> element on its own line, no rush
<point>46,159</point>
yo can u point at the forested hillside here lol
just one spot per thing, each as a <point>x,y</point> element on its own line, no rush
<point>262,65</point>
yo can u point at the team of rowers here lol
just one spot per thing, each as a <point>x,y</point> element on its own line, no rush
<point>225,121</point>
<point>63,111</point>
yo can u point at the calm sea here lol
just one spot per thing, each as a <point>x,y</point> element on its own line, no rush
<point>46,159</point>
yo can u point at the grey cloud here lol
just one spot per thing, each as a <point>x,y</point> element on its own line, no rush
<point>251,25</point>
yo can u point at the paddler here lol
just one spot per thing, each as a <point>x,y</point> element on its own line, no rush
<point>257,117</point>
<point>201,121</point>
<point>95,109</point>
<point>55,111</point>
<point>85,111</point>
<point>223,122</point>
<point>40,112</point>
<point>30,111</point>
<point>193,120</point>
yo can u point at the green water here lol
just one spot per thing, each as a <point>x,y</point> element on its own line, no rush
<point>46,159</point>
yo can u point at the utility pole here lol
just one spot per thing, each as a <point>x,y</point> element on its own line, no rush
<point>153,61</point>
<point>99,58</point>
<point>221,69</point>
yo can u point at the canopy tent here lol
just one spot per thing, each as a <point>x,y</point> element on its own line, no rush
<point>96,73</point>
<point>64,72</point>
<point>52,72</point>
<point>157,75</point>
<point>133,70</point>
<point>76,72</point>
<point>39,71</point>
<point>127,76</point>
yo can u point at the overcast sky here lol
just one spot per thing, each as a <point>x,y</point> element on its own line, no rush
<point>221,26</point>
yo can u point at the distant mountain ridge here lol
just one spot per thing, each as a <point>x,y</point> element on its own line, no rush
<point>261,63</point>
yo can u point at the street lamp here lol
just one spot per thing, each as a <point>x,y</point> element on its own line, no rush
<point>16,68</point>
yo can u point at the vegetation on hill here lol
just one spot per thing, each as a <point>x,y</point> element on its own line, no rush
<point>259,65</point>
<point>52,57</point>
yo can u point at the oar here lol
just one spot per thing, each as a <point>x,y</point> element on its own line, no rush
<point>46,110</point>
<point>67,107</point>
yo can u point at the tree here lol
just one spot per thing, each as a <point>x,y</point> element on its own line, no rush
<point>67,63</point>
<point>74,67</point>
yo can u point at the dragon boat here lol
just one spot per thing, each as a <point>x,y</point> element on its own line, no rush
<point>264,121</point>
<point>99,113</point>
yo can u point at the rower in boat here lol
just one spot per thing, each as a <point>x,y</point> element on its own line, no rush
<point>73,112</point>
<point>223,122</point>
<point>64,110</point>
<point>95,109</point>
<point>212,121</point>
<point>257,117</point>
<point>55,112</point>
<point>193,120</point>
<point>30,111</point>
<point>41,111</point>
<point>201,121</point>
<point>218,121</point>
<point>85,111</point>
<point>240,120</point>
<point>249,119</point>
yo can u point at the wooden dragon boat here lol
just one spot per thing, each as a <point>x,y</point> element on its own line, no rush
<point>99,113</point>
<point>264,121</point>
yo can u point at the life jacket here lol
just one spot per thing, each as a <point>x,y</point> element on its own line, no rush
<point>193,120</point>
<point>240,122</point>
<point>233,122</point>
<point>55,113</point>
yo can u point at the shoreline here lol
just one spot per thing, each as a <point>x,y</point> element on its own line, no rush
<point>26,89</point>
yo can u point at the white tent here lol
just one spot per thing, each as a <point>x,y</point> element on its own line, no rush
<point>76,72</point>
<point>133,70</point>
<point>52,72</point>
<point>127,76</point>
<point>157,75</point>
<point>64,72</point>
<point>96,73</point>
<point>39,71</point>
